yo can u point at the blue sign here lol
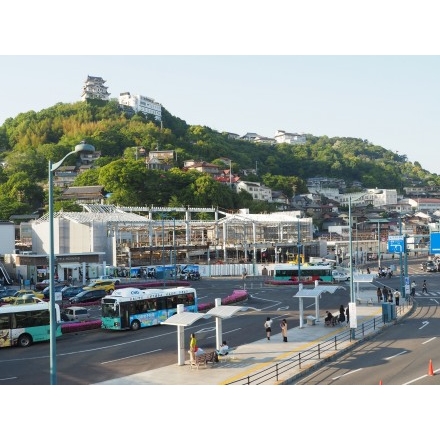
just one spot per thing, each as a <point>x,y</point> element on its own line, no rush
<point>434,243</point>
<point>396,244</point>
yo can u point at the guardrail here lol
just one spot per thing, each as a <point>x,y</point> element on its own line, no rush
<point>320,351</point>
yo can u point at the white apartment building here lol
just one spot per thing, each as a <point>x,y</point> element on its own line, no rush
<point>282,137</point>
<point>375,197</point>
<point>143,104</point>
<point>256,189</point>
<point>94,88</point>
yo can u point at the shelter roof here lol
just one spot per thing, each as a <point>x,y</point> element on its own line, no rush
<point>316,291</point>
<point>184,318</point>
<point>224,311</point>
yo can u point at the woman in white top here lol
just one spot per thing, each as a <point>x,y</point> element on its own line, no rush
<point>268,327</point>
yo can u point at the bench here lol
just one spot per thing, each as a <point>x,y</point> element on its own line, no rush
<point>311,320</point>
<point>195,360</point>
<point>368,301</point>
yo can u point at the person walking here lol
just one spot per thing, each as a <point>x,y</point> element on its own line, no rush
<point>413,289</point>
<point>268,327</point>
<point>424,287</point>
<point>283,326</point>
<point>379,295</point>
<point>396,297</point>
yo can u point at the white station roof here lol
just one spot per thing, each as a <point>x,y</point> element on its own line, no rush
<point>224,311</point>
<point>313,293</point>
<point>184,318</point>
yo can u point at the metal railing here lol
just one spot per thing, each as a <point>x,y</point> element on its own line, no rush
<point>320,351</point>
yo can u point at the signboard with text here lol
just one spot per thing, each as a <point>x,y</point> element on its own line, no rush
<point>434,243</point>
<point>396,244</point>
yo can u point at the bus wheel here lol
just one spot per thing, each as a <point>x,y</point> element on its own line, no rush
<point>24,340</point>
<point>135,325</point>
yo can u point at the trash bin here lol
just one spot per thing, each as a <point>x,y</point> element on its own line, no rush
<point>392,311</point>
<point>386,312</point>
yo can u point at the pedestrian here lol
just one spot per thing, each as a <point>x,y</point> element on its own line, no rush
<point>341,317</point>
<point>413,289</point>
<point>32,283</point>
<point>424,287</point>
<point>368,270</point>
<point>347,314</point>
<point>283,326</point>
<point>193,343</point>
<point>379,295</point>
<point>244,273</point>
<point>396,297</point>
<point>268,327</point>
<point>385,294</point>
<point>390,296</point>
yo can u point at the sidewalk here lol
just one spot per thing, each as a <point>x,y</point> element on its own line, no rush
<point>251,358</point>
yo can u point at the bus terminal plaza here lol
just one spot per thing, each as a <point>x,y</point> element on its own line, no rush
<point>244,362</point>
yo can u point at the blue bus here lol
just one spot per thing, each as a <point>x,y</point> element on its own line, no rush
<point>132,308</point>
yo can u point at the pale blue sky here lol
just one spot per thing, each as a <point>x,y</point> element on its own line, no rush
<point>393,101</point>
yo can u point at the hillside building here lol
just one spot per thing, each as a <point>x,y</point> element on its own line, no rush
<point>94,88</point>
<point>143,104</point>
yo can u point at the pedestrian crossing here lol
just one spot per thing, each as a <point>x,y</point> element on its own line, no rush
<point>429,294</point>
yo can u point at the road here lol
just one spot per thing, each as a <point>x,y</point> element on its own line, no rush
<point>99,355</point>
<point>403,354</point>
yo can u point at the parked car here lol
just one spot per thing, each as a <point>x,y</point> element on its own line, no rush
<point>20,293</point>
<point>25,299</point>
<point>108,285</point>
<point>5,293</point>
<point>70,291</point>
<point>57,288</point>
<point>87,296</point>
<point>429,266</point>
<point>41,285</point>
<point>107,278</point>
<point>340,276</point>
<point>76,313</point>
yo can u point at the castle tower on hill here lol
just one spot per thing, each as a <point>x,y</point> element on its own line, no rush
<point>94,88</point>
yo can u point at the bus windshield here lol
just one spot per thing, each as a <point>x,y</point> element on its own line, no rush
<point>131,308</point>
<point>25,324</point>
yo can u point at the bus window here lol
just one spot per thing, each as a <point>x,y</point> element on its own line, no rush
<point>4,322</point>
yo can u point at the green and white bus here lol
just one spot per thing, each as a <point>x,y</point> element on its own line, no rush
<point>132,308</point>
<point>25,324</point>
<point>309,273</point>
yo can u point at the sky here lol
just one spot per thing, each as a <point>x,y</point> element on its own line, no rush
<point>393,101</point>
<point>366,70</point>
<point>366,78</point>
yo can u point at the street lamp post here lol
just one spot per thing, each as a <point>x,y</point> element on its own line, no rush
<point>299,251</point>
<point>163,249</point>
<point>82,147</point>
<point>350,240</point>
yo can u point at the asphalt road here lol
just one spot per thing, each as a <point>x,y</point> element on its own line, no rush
<point>98,355</point>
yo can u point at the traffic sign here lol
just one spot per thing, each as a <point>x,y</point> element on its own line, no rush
<point>396,244</point>
<point>434,243</point>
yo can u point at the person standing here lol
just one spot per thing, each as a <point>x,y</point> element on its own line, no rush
<point>193,343</point>
<point>390,296</point>
<point>424,287</point>
<point>396,297</point>
<point>268,327</point>
<point>413,289</point>
<point>379,295</point>
<point>385,294</point>
<point>283,326</point>
<point>347,314</point>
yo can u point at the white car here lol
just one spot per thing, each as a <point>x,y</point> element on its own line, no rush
<point>340,276</point>
<point>107,278</point>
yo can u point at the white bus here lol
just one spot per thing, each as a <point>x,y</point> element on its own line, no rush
<point>25,324</point>
<point>132,308</point>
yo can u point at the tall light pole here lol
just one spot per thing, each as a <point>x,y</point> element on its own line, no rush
<point>350,240</point>
<point>299,251</point>
<point>163,248</point>
<point>82,147</point>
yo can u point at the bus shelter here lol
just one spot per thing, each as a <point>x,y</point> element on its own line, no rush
<point>315,294</point>
<point>184,319</point>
